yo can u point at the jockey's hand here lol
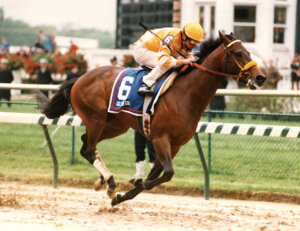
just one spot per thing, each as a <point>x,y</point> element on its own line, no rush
<point>188,61</point>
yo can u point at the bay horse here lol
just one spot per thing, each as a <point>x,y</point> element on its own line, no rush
<point>177,112</point>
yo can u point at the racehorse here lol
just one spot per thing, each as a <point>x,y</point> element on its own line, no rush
<point>177,112</point>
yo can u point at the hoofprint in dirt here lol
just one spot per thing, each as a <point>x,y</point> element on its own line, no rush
<point>31,207</point>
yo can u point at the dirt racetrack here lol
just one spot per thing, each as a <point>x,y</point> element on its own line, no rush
<point>32,207</point>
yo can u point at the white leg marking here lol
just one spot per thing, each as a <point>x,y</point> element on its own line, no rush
<point>100,166</point>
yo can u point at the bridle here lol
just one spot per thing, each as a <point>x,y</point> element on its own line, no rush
<point>243,74</point>
<point>243,69</point>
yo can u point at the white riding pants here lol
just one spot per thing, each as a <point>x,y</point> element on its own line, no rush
<point>149,58</point>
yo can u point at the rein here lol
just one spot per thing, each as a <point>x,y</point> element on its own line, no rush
<point>243,69</point>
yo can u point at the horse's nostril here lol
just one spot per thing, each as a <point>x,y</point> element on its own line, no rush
<point>260,78</point>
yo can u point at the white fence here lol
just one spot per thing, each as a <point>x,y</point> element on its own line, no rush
<point>228,92</point>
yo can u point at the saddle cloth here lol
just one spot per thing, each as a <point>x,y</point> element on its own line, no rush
<point>124,96</point>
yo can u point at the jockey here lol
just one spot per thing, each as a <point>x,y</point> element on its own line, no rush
<point>160,52</point>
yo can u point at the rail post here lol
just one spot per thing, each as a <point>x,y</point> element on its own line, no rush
<point>73,145</point>
<point>53,155</point>
<point>204,165</point>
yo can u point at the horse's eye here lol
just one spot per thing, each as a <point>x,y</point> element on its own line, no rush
<point>238,54</point>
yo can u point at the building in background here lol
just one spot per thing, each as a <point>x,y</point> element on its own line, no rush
<point>270,29</point>
<point>152,13</point>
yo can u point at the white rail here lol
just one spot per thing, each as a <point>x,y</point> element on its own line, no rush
<point>23,86</point>
<point>229,92</point>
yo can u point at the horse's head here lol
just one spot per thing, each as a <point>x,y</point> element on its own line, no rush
<point>237,58</point>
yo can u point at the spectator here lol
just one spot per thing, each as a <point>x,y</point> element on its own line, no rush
<point>4,48</point>
<point>74,73</point>
<point>5,44</point>
<point>41,35</point>
<point>5,77</point>
<point>47,43</point>
<point>140,143</point>
<point>54,45</point>
<point>295,66</point>
<point>114,61</point>
<point>273,76</point>
<point>218,101</point>
<point>73,47</point>
<point>44,75</point>
<point>38,46</point>
<point>3,52</point>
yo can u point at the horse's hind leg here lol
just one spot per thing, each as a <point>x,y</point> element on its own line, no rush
<point>100,183</point>
<point>89,152</point>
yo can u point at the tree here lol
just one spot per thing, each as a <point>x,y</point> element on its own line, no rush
<point>19,33</point>
<point>1,14</point>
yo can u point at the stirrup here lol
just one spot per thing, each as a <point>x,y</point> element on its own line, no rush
<point>146,90</point>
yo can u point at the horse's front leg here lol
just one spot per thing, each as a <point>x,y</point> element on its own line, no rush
<point>163,162</point>
<point>164,156</point>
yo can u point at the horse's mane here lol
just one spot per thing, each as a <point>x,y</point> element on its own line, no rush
<point>206,48</point>
<point>209,46</point>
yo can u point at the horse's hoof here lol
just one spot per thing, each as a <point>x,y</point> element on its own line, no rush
<point>111,192</point>
<point>136,182</point>
<point>99,185</point>
<point>111,189</point>
<point>116,200</point>
<point>147,185</point>
<point>132,180</point>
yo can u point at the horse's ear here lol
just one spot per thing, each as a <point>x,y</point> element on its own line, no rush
<point>232,35</point>
<point>223,38</point>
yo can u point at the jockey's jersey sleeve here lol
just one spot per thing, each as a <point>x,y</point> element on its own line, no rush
<point>166,51</point>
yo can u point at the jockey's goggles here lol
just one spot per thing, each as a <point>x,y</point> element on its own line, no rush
<point>192,42</point>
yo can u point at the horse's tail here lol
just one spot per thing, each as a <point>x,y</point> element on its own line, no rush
<point>59,104</point>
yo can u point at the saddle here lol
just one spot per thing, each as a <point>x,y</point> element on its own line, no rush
<point>124,95</point>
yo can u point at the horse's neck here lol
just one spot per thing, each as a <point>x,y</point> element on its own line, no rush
<point>202,85</point>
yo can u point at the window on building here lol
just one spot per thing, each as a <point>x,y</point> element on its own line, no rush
<point>279,24</point>
<point>201,16</point>
<point>244,22</point>
<point>207,19</point>
<point>212,22</point>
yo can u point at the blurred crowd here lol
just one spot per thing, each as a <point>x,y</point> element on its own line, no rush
<point>29,58</point>
<point>44,64</point>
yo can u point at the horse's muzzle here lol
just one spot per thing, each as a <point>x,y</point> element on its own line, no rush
<point>260,79</point>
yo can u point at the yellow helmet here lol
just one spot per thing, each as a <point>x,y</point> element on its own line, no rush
<point>193,30</point>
